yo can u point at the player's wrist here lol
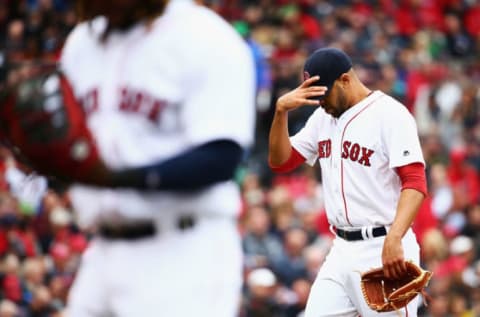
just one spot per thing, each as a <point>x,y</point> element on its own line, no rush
<point>394,235</point>
<point>282,106</point>
<point>281,110</point>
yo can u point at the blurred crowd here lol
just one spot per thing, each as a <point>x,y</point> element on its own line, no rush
<point>424,53</point>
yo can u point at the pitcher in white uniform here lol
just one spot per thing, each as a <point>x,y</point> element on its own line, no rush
<point>373,176</point>
<point>168,89</point>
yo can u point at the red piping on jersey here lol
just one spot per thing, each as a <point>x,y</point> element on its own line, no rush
<point>341,160</point>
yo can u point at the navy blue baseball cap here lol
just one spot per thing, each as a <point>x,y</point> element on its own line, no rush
<point>329,64</point>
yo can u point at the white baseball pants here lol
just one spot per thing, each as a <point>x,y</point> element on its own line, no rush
<point>196,272</point>
<point>336,290</point>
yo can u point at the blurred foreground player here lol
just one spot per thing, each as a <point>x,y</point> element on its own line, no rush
<point>168,90</point>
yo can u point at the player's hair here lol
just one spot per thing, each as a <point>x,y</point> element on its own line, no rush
<point>144,10</point>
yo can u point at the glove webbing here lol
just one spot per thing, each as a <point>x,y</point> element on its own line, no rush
<point>402,296</point>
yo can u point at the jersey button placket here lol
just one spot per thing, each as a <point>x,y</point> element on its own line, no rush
<point>336,177</point>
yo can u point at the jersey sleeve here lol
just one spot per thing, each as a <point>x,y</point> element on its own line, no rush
<point>305,141</point>
<point>400,136</point>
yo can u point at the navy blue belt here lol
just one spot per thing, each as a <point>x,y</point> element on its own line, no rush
<point>356,235</point>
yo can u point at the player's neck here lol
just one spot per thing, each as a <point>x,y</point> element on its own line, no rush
<point>361,93</point>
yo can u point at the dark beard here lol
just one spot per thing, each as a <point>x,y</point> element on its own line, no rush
<point>121,19</point>
<point>341,104</point>
<point>122,25</point>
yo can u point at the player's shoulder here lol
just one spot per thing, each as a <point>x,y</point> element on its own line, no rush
<point>87,31</point>
<point>198,27</point>
<point>392,113</point>
<point>390,106</point>
<point>321,118</point>
<point>83,36</point>
<point>179,10</point>
<point>320,113</point>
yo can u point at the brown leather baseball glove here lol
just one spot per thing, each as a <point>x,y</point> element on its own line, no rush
<point>383,294</point>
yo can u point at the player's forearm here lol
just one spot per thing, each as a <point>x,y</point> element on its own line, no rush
<point>407,209</point>
<point>193,170</point>
<point>279,148</point>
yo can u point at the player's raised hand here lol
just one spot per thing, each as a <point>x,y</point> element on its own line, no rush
<point>301,95</point>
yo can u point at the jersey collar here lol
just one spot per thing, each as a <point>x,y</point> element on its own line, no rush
<point>352,111</point>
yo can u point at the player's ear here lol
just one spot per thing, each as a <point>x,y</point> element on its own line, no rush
<point>345,80</point>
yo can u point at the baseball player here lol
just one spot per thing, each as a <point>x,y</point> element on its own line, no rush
<point>168,92</point>
<point>373,175</point>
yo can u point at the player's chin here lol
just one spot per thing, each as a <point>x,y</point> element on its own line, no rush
<point>333,112</point>
<point>324,105</point>
<point>327,109</point>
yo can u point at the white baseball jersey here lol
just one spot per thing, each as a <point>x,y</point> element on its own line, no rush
<point>358,154</point>
<point>155,91</point>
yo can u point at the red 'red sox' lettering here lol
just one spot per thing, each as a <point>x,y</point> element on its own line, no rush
<point>141,102</point>
<point>130,101</point>
<point>357,153</point>
<point>90,101</point>
<point>324,148</point>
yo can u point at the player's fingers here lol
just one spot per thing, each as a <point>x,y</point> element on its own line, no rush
<point>389,271</point>
<point>310,81</point>
<point>315,89</point>
<point>311,102</point>
<point>397,270</point>
<point>400,267</point>
<point>386,270</point>
<point>310,94</point>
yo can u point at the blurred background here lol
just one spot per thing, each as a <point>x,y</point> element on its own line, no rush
<point>424,53</point>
